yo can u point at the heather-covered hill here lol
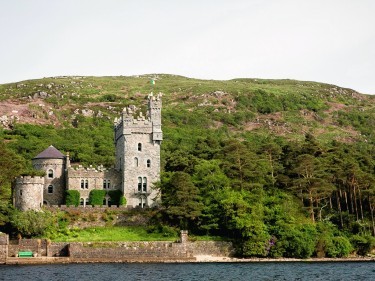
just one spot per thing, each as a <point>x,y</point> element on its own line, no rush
<point>284,163</point>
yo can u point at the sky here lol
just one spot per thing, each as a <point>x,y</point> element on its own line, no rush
<point>331,41</point>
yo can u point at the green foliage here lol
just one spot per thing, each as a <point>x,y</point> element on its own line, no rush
<point>31,223</point>
<point>96,197</point>
<point>362,244</point>
<point>339,247</point>
<point>117,197</point>
<point>181,199</point>
<point>72,198</point>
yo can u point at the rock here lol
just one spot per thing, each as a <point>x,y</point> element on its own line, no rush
<point>87,112</point>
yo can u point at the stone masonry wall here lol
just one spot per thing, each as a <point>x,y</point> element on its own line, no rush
<point>4,241</point>
<point>57,180</point>
<point>94,178</point>
<point>129,250</point>
<point>28,193</point>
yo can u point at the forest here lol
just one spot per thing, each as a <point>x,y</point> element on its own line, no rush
<point>282,168</point>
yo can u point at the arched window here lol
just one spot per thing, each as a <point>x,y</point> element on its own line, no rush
<point>50,174</point>
<point>82,202</point>
<point>139,147</point>
<point>86,184</point>
<point>50,188</point>
<point>136,161</point>
<point>82,184</point>
<point>148,163</point>
<point>144,184</point>
<point>139,184</point>
<point>106,184</point>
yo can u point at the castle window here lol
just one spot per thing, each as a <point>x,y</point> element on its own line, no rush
<point>148,163</point>
<point>136,161</point>
<point>82,202</point>
<point>20,192</point>
<point>86,184</point>
<point>82,184</point>
<point>139,147</point>
<point>144,184</point>
<point>139,184</point>
<point>142,202</point>
<point>50,189</point>
<point>50,174</point>
<point>106,184</point>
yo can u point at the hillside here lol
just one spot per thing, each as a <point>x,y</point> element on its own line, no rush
<point>240,107</point>
<point>257,161</point>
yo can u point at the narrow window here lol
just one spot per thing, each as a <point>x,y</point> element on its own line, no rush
<point>50,189</point>
<point>104,184</point>
<point>108,184</point>
<point>86,184</point>
<point>82,184</point>
<point>139,147</point>
<point>148,163</point>
<point>50,174</point>
<point>139,184</point>
<point>81,201</point>
<point>20,192</point>
<point>136,161</point>
<point>144,184</point>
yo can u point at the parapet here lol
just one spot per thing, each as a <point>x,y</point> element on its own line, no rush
<point>29,180</point>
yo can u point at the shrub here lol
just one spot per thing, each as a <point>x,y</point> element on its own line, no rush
<point>96,197</point>
<point>362,244</point>
<point>117,197</point>
<point>338,247</point>
<point>72,198</point>
<point>31,223</point>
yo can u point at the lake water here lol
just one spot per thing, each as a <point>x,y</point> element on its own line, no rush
<point>194,271</point>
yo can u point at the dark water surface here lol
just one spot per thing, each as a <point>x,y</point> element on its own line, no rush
<point>193,271</point>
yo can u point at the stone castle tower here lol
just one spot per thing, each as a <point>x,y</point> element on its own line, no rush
<point>28,193</point>
<point>137,142</point>
<point>137,167</point>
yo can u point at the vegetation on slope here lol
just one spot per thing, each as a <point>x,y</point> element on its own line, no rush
<point>281,167</point>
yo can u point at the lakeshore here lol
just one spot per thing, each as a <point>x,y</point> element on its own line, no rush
<point>196,259</point>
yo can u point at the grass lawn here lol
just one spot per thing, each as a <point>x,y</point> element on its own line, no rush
<point>97,234</point>
<point>101,234</point>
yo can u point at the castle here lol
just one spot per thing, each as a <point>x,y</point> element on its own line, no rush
<point>137,167</point>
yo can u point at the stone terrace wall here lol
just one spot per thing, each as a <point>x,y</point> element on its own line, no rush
<point>130,250</point>
<point>212,248</point>
<point>37,246</point>
<point>58,249</point>
<point>4,241</point>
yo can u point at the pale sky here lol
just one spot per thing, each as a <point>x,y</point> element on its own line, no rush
<point>330,41</point>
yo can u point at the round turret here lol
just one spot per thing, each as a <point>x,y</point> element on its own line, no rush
<point>28,193</point>
<point>53,163</point>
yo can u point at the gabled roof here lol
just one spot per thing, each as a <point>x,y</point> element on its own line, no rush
<point>50,153</point>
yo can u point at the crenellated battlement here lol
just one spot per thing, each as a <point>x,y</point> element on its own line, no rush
<point>25,180</point>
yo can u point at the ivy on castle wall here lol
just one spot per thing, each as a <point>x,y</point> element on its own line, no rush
<point>117,197</point>
<point>96,197</point>
<point>72,198</point>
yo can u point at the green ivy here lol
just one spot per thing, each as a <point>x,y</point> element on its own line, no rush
<point>72,198</point>
<point>96,197</point>
<point>117,197</point>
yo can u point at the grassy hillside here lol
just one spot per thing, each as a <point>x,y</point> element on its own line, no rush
<point>244,108</point>
<point>281,167</point>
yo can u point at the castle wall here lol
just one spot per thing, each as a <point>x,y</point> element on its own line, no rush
<point>86,179</point>
<point>4,242</point>
<point>136,167</point>
<point>137,143</point>
<point>54,196</point>
<point>28,193</point>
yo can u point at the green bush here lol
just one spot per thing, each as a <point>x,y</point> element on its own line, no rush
<point>31,223</point>
<point>96,197</point>
<point>72,198</point>
<point>362,244</point>
<point>338,247</point>
<point>117,197</point>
